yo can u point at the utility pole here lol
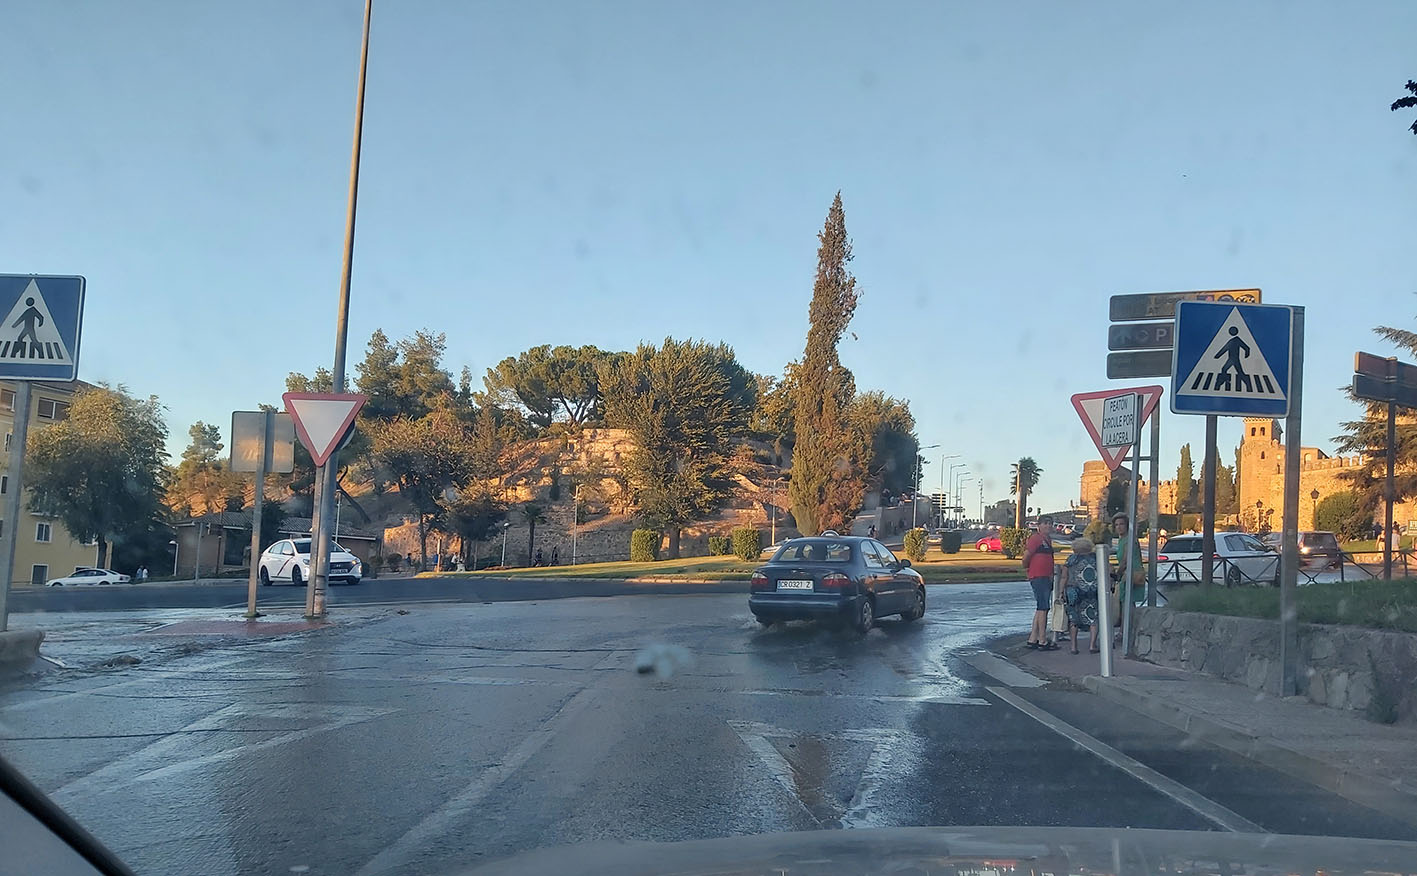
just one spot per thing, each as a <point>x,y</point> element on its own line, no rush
<point>319,580</point>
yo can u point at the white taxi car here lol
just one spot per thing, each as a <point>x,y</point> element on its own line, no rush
<point>289,560</point>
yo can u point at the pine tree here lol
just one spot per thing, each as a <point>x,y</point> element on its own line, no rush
<point>828,482</point>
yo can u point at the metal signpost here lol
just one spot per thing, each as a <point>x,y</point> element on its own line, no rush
<point>322,420</point>
<point>1146,351</point>
<point>1247,360</point>
<point>39,340</point>
<point>261,442</point>
<point>1114,419</point>
<point>1394,384</point>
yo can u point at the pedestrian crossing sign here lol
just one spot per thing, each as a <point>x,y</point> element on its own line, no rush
<point>39,338</point>
<point>1231,359</point>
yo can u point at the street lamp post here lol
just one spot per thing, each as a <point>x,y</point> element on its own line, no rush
<point>915,494</point>
<point>575,519</point>
<point>772,504</point>
<point>945,485</point>
<point>176,551</point>
<point>957,483</point>
<point>1314,508</point>
<point>1259,513</point>
<point>953,498</point>
<point>506,525</point>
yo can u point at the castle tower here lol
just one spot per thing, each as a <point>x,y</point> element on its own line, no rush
<point>1261,465</point>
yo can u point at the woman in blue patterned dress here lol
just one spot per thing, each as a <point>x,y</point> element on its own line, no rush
<point>1080,592</point>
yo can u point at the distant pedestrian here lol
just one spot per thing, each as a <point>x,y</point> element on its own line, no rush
<point>871,530</point>
<point>461,567</point>
<point>1038,564</point>
<point>556,556</point>
<point>538,561</point>
<point>408,561</point>
<point>1079,586</point>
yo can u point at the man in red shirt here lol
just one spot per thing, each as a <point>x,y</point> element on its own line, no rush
<point>1038,564</point>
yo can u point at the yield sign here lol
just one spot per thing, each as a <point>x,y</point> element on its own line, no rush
<point>1091,405</point>
<point>322,419</point>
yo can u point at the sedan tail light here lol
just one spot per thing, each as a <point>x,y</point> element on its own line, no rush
<point>836,581</point>
<point>759,581</point>
<point>1162,558</point>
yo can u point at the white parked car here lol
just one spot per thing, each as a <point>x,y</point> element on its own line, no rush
<point>1247,560</point>
<point>289,560</point>
<point>90,576</point>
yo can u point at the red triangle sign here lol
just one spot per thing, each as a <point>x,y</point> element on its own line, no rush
<point>1089,406</point>
<point>322,419</point>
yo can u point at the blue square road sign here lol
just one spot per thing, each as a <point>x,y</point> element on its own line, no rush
<point>1232,359</point>
<point>39,337</point>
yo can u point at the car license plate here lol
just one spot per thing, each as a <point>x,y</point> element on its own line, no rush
<point>794,585</point>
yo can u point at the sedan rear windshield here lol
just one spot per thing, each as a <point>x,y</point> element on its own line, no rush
<point>1320,540</point>
<point>814,551</point>
<point>1183,546</point>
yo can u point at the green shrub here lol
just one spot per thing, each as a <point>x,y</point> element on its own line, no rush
<point>915,543</point>
<point>1342,513</point>
<point>718,545</point>
<point>1011,539</point>
<point>949,542</point>
<point>644,545</point>
<point>747,543</point>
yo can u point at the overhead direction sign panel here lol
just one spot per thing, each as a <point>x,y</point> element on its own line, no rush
<point>1162,305</point>
<point>43,317</point>
<point>1138,363</point>
<point>1141,335</point>
<point>1092,408</point>
<point>323,419</point>
<point>1385,367</point>
<point>1370,388</point>
<point>1231,359</point>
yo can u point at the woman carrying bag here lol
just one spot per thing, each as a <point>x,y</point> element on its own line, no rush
<point>1079,591</point>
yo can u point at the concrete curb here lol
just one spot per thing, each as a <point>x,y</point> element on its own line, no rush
<point>1384,795</point>
<point>18,649</point>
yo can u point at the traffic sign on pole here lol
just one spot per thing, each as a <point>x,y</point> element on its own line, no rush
<point>323,419</point>
<point>1232,359</point>
<point>1162,305</point>
<point>1105,415</point>
<point>1138,363</point>
<point>248,441</point>
<point>39,339</point>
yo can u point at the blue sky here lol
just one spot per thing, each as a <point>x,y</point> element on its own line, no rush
<point>608,173</point>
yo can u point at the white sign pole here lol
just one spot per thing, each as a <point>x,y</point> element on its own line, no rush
<point>1103,633</point>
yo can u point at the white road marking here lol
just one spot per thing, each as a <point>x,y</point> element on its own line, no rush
<point>439,822</point>
<point>862,811</point>
<point>186,671</point>
<point>1202,806</point>
<point>1002,670</point>
<point>155,761</point>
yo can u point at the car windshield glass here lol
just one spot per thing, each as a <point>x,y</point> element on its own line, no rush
<point>303,546</point>
<point>1320,540</point>
<point>814,551</point>
<point>1186,545</point>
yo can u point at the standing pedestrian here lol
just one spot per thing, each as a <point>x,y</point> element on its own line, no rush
<point>556,555</point>
<point>1080,592</point>
<point>408,561</point>
<point>1038,565</point>
<point>1135,589</point>
<point>538,561</point>
<point>871,531</point>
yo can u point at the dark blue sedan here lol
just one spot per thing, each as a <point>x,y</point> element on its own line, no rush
<point>836,578</point>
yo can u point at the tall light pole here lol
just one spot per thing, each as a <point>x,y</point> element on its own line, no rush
<point>955,483</point>
<point>575,519</point>
<point>915,494</point>
<point>320,525</point>
<point>506,525</point>
<point>966,478</point>
<point>981,503</point>
<point>952,495</point>
<point>944,488</point>
<point>772,503</point>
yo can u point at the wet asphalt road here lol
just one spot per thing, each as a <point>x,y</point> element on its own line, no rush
<point>455,734</point>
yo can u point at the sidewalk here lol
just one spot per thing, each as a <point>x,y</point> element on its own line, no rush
<point>1340,751</point>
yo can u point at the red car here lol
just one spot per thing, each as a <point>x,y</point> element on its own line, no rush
<point>989,543</point>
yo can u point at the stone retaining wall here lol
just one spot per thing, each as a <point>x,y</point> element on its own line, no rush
<point>1339,667</point>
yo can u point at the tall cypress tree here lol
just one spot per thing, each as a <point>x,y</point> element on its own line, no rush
<point>1185,480</point>
<point>828,482</point>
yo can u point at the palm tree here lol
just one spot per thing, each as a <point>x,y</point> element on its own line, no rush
<point>534,514</point>
<point>1407,102</point>
<point>1023,480</point>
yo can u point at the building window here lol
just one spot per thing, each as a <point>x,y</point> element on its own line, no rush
<point>2,528</point>
<point>43,532</point>
<point>1252,431</point>
<point>1261,454</point>
<point>39,573</point>
<point>49,409</point>
<point>4,484</point>
<point>7,442</point>
<point>7,399</point>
